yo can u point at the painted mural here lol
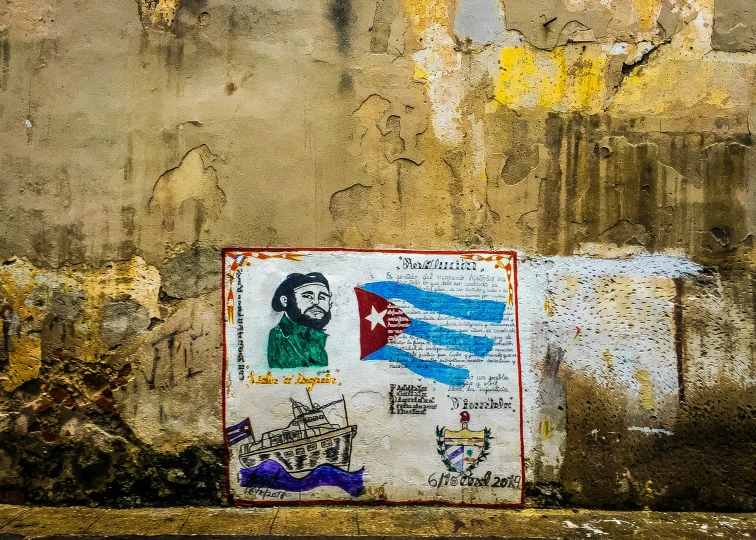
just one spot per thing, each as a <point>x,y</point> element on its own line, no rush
<point>372,376</point>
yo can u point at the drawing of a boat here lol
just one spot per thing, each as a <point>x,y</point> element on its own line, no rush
<point>310,440</point>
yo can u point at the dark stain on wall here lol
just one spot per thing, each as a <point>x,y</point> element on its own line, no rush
<point>341,16</point>
<point>550,189</point>
<point>59,245</point>
<point>189,16</point>
<point>678,315</point>
<point>701,455</point>
<point>455,160</point>
<point>606,183</point>
<point>632,469</point>
<point>118,472</point>
<point>8,325</point>
<point>127,247</point>
<point>5,54</point>
<point>64,442</point>
<point>346,83</point>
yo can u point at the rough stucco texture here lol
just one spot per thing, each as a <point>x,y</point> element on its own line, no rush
<point>609,142</point>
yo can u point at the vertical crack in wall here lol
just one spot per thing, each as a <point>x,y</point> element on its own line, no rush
<point>679,337</point>
<point>5,53</point>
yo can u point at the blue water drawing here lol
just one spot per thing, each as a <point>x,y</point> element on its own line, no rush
<point>270,474</point>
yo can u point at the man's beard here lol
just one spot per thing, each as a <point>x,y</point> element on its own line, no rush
<point>305,320</point>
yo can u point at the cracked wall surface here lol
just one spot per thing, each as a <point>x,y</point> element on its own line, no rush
<point>609,142</point>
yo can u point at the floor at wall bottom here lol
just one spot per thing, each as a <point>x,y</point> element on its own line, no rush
<point>311,522</point>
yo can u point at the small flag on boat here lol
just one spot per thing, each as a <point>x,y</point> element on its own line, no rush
<point>239,432</point>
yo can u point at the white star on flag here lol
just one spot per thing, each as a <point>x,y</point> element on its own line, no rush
<point>376,317</point>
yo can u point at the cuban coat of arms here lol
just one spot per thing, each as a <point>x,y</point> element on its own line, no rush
<point>462,451</point>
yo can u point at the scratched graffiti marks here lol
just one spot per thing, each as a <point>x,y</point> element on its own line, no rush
<point>176,361</point>
<point>177,349</point>
<point>9,322</point>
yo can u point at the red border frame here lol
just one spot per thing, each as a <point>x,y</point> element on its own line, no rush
<point>347,502</point>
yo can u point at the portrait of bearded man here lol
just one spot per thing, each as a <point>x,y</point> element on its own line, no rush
<point>299,339</point>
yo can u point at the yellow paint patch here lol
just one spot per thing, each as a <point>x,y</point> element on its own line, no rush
<point>420,73</point>
<point>556,87</point>
<point>717,97</point>
<point>548,307</point>
<point>25,355</point>
<point>161,14</point>
<point>608,358</point>
<point>132,278</point>
<point>545,428</point>
<point>520,79</point>
<point>646,394</point>
<point>655,88</point>
<point>588,83</point>
<point>27,290</point>
<point>647,11</point>
<point>561,79</point>
<point>425,13</point>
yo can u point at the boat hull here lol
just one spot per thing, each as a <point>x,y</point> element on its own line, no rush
<point>304,455</point>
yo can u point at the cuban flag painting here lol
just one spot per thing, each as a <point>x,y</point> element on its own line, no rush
<point>432,334</point>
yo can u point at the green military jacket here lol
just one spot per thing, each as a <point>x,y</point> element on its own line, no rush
<point>291,345</point>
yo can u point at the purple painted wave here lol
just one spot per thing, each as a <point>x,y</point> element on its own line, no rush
<point>270,474</point>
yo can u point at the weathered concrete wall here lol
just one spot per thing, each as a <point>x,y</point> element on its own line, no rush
<point>138,138</point>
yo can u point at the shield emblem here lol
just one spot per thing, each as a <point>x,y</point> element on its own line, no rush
<point>462,450</point>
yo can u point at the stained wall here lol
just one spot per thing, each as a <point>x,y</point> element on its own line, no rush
<point>608,142</point>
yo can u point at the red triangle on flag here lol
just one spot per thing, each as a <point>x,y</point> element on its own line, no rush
<point>380,321</point>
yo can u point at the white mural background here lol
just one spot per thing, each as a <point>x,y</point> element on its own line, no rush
<point>399,452</point>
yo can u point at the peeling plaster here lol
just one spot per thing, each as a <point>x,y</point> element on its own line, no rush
<point>158,13</point>
<point>194,179</point>
<point>479,21</point>
<point>734,28</point>
<point>607,141</point>
<point>58,312</point>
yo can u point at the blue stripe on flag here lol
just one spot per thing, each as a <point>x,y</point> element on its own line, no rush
<point>453,376</point>
<point>240,425</point>
<point>237,433</point>
<point>446,337</point>
<point>457,452</point>
<point>237,437</point>
<point>462,308</point>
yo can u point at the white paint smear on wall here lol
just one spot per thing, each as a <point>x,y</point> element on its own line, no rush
<point>612,321</point>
